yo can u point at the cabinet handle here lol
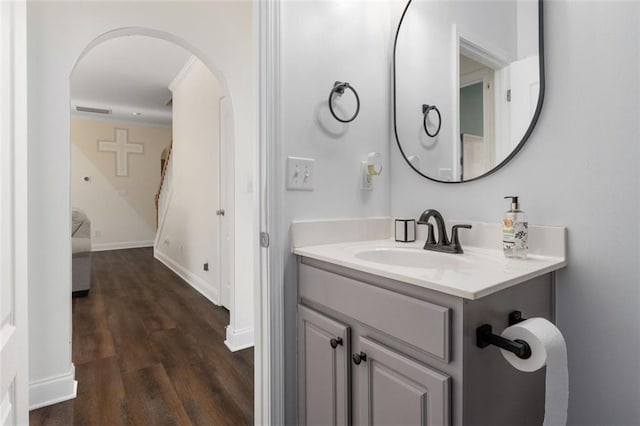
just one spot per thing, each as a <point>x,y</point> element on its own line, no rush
<point>358,358</point>
<point>335,342</point>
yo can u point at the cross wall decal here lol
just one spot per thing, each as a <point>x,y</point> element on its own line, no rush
<point>121,147</point>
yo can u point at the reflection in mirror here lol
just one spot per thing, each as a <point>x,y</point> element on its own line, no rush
<point>479,62</point>
<point>476,113</point>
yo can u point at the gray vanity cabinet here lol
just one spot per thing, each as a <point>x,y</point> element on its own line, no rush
<point>422,366</point>
<point>396,390</point>
<point>392,388</point>
<point>323,368</point>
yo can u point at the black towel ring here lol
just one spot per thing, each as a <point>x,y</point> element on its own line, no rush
<point>425,110</point>
<point>338,87</point>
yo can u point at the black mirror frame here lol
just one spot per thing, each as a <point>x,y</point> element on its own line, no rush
<point>534,119</point>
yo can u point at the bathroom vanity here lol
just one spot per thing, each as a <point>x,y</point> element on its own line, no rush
<point>387,331</point>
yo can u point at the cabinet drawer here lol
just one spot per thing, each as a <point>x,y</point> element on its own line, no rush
<point>420,324</point>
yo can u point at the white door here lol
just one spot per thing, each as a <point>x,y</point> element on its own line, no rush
<point>225,203</point>
<point>473,156</point>
<point>14,390</point>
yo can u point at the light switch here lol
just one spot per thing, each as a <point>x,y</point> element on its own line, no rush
<point>300,173</point>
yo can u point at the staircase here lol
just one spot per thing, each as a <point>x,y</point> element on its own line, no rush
<point>164,189</point>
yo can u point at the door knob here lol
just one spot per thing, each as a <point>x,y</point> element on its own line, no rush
<point>335,342</point>
<point>358,358</point>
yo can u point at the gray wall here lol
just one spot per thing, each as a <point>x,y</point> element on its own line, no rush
<point>580,170</point>
<point>322,42</point>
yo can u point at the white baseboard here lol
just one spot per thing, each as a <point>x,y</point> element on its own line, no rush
<point>189,277</point>
<point>239,339</point>
<point>53,390</point>
<point>121,246</point>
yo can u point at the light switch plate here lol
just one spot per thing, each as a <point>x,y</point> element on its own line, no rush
<point>300,173</point>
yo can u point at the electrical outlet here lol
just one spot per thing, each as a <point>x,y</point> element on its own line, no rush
<point>445,175</point>
<point>181,250</point>
<point>97,233</point>
<point>300,173</point>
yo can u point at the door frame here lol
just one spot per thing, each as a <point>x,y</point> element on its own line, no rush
<point>226,203</point>
<point>269,290</point>
<point>264,308</point>
<point>268,299</point>
<point>15,332</point>
<point>496,59</point>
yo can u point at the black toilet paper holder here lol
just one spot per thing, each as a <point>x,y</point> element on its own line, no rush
<point>485,337</point>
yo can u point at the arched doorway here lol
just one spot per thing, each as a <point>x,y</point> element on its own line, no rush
<point>173,252</point>
<point>206,28</point>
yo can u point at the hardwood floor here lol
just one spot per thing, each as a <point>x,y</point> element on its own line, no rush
<point>148,350</point>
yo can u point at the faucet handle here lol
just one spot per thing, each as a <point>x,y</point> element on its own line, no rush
<point>455,241</point>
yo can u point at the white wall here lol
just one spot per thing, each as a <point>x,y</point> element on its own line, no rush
<point>322,42</point>
<point>579,169</point>
<point>220,34</point>
<point>121,208</point>
<point>190,232</point>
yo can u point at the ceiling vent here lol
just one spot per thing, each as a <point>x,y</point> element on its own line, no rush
<point>93,110</point>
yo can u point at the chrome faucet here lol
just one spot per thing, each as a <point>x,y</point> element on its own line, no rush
<point>443,244</point>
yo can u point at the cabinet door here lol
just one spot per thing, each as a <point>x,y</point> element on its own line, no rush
<point>323,370</point>
<point>396,390</point>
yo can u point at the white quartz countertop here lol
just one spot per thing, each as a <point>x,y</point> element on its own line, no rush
<point>476,273</point>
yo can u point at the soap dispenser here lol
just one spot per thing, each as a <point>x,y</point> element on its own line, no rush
<point>515,231</point>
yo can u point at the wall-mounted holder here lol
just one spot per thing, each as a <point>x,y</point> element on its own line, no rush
<point>371,167</point>
<point>339,88</point>
<point>485,337</point>
<point>426,109</point>
<point>405,230</point>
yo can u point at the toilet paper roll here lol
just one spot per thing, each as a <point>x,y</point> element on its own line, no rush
<point>547,348</point>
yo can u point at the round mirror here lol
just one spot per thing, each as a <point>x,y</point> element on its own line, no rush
<point>468,84</point>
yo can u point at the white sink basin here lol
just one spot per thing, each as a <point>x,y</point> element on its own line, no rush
<point>412,258</point>
<point>481,270</point>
